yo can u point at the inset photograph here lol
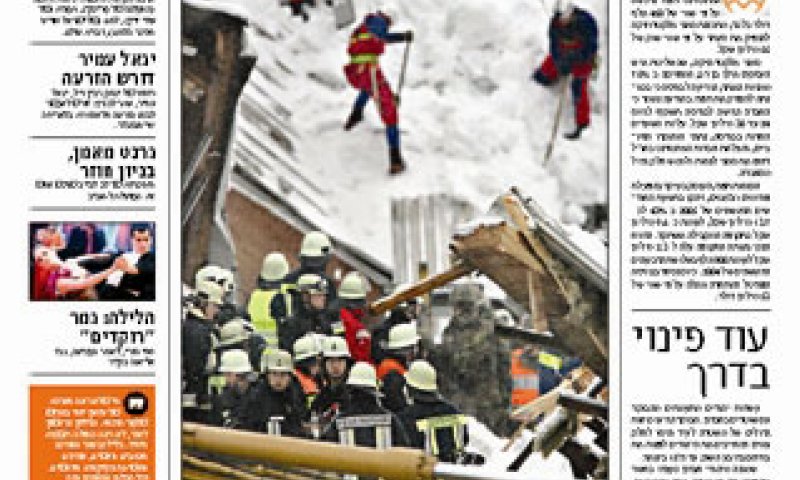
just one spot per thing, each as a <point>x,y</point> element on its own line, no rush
<point>113,261</point>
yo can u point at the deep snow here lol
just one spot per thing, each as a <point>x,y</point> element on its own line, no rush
<point>476,124</point>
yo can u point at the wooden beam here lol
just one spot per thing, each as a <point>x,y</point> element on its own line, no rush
<point>422,287</point>
<point>520,219</point>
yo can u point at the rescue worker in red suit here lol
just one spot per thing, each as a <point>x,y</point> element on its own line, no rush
<point>573,47</point>
<point>351,307</point>
<point>364,73</point>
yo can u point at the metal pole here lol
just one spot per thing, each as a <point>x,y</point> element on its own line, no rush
<point>562,94</point>
<point>402,72</point>
<point>392,464</point>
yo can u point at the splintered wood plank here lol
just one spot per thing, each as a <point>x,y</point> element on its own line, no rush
<point>498,252</point>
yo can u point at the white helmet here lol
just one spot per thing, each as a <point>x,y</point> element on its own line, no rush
<point>335,347</point>
<point>274,267</point>
<point>315,244</point>
<point>363,375</point>
<point>402,336</point>
<point>208,273</point>
<point>235,361</point>
<point>210,291</point>
<point>353,287</point>
<point>306,347</point>
<point>276,361</point>
<point>234,331</point>
<point>227,278</point>
<point>421,375</point>
<point>312,283</point>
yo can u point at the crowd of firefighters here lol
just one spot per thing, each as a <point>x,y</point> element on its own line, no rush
<point>299,360</point>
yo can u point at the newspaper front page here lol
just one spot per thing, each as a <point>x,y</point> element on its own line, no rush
<point>545,239</point>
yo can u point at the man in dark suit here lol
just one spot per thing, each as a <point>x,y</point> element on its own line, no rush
<point>137,281</point>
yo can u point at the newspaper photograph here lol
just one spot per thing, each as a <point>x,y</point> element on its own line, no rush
<point>395,233</point>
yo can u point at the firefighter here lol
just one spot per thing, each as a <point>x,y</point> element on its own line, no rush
<point>312,314</point>
<point>307,356</point>
<point>524,376</point>
<point>271,301</point>
<point>336,363</point>
<point>226,279</point>
<point>315,253</point>
<point>402,348</point>
<point>199,335</point>
<point>364,73</point>
<point>432,423</point>
<point>276,405</point>
<point>362,400</point>
<point>236,335</point>
<point>573,51</point>
<point>351,307</point>
<point>230,406</point>
<point>405,312</point>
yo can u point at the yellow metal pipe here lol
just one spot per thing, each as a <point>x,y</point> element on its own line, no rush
<point>247,472</point>
<point>295,474</point>
<point>392,464</point>
<point>217,468</point>
<point>192,474</point>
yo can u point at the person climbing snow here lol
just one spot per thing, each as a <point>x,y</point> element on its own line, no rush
<point>296,7</point>
<point>367,43</point>
<point>573,49</point>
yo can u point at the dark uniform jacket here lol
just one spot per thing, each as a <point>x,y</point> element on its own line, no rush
<point>574,41</point>
<point>392,387</point>
<point>307,321</point>
<point>196,345</point>
<point>358,402</point>
<point>265,403</point>
<point>229,409</point>
<point>443,420</point>
<point>308,266</point>
<point>329,401</point>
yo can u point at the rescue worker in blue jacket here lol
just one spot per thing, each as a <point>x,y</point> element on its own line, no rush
<point>573,49</point>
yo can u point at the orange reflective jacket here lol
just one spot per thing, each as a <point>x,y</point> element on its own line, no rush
<point>524,379</point>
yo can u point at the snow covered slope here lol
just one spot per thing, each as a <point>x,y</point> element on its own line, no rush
<point>476,124</point>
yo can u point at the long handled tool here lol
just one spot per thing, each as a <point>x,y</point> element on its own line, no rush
<point>562,95</point>
<point>402,73</point>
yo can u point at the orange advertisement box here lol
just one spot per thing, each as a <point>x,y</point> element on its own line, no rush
<point>80,432</point>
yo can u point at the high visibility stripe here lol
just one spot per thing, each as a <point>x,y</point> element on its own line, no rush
<point>287,297</point>
<point>364,58</point>
<point>429,427</point>
<point>526,382</point>
<point>337,328</point>
<point>550,361</point>
<point>215,384</point>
